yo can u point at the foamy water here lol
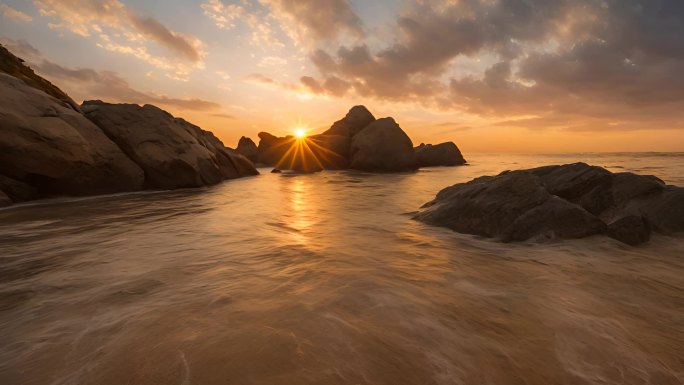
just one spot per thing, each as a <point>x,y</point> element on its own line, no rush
<point>325,279</point>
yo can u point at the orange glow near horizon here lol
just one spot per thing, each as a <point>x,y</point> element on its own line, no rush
<point>300,133</point>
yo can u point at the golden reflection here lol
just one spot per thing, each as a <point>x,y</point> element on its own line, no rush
<point>301,215</point>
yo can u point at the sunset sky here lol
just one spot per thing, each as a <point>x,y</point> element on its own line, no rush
<point>516,75</point>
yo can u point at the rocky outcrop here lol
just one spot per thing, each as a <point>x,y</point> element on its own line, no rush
<point>4,200</point>
<point>569,201</point>
<point>247,148</point>
<point>443,154</point>
<point>356,120</point>
<point>48,147</point>
<point>382,146</point>
<point>631,229</point>
<point>54,150</point>
<point>172,152</point>
<point>17,191</point>
<point>15,67</point>
<point>357,141</point>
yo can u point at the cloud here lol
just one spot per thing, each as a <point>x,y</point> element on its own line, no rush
<point>316,20</point>
<point>225,116</point>
<point>307,23</point>
<point>120,29</point>
<point>331,86</point>
<point>582,59</point>
<point>87,83</point>
<point>14,14</point>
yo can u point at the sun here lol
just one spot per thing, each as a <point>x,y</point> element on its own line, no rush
<point>300,133</point>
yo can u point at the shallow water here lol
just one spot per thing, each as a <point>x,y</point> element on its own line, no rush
<point>325,279</point>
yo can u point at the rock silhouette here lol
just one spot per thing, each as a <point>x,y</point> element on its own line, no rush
<point>247,148</point>
<point>443,154</point>
<point>559,202</point>
<point>382,146</point>
<point>357,141</point>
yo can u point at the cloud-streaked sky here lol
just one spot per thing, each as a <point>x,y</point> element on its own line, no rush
<point>491,75</point>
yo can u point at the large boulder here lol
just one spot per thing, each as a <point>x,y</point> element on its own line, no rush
<point>54,149</point>
<point>247,148</point>
<point>443,154</point>
<point>17,191</point>
<point>172,152</point>
<point>382,146</point>
<point>631,229</point>
<point>569,201</point>
<point>356,120</point>
<point>513,206</point>
<point>5,200</point>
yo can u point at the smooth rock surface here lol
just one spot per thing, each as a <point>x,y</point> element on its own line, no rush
<point>443,154</point>
<point>15,67</point>
<point>56,150</point>
<point>172,152</point>
<point>382,146</point>
<point>563,202</point>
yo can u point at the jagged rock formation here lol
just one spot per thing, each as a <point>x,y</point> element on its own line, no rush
<point>247,148</point>
<point>569,201</point>
<point>443,154</point>
<point>172,152</point>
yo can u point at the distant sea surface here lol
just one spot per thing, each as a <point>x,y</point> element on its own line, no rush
<point>325,279</point>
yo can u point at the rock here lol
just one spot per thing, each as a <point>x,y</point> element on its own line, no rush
<point>272,148</point>
<point>382,146</point>
<point>276,171</point>
<point>172,152</point>
<point>443,154</point>
<point>17,191</point>
<point>628,186</point>
<point>54,149</point>
<point>664,210</point>
<point>632,230</point>
<point>330,151</point>
<point>15,67</point>
<point>514,206</point>
<point>248,149</point>
<point>5,200</point>
<point>310,154</point>
<point>588,186</point>
<point>569,201</point>
<point>356,120</point>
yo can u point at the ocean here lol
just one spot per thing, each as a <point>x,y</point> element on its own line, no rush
<point>325,279</point>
